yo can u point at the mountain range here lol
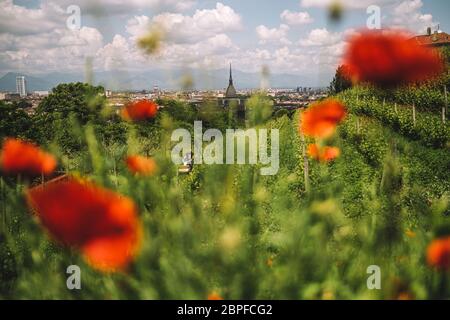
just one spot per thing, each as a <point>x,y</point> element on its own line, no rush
<point>121,80</point>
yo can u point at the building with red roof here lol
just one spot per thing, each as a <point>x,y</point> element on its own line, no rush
<point>436,39</point>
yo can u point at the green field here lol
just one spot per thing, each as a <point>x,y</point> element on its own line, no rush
<point>228,230</point>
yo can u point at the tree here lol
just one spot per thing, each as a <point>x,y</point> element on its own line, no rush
<point>178,110</point>
<point>341,80</point>
<point>61,116</point>
<point>23,104</point>
<point>446,57</point>
<point>14,122</point>
<point>445,51</point>
<point>81,99</point>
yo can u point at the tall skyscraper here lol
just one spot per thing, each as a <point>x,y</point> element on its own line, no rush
<point>21,86</point>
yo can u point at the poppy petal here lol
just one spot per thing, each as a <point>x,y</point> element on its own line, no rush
<point>103,224</point>
<point>140,110</point>
<point>388,59</point>
<point>320,119</point>
<point>18,156</point>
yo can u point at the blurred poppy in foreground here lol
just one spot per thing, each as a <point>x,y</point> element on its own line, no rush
<point>324,154</point>
<point>140,110</point>
<point>390,60</point>
<point>141,165</point>
<point>438,253</point>
<point>405,296</point>
<point>103,225</point>
<point>320,120</point>
<point>214,296</point>
<point>22,157</point>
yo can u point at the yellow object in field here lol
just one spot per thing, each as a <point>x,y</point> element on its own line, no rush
<point>184,169</point>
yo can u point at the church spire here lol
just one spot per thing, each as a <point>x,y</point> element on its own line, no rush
<point>231,76</point>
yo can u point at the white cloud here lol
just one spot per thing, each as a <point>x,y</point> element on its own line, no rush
<point>280,60</point>
<point>324,49</point>
<point>195,54</point>
<point>138,25</point>
<point>296,18</point>
<point>90,38</point>
<point>203,24</point>
<point>60,49</point>
<point>398,14</point>
<point>346,4</point>
<point>37,39</point>
<point>123,53</point>
<point>180,28</point>
<point>46,44</point>
<point>287,61</point>
<point>188,40</point>
<point>274,35</point>
<point>320,37</point>
<point>118,54</point>
<point>260,54</point>
<point>407,15</point>
<point>108,7</point>
<point>19,20</point>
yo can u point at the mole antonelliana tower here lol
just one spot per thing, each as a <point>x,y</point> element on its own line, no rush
<point>231,91</point>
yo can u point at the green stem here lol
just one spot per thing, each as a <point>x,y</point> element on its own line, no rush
<point>19,181</point>
<point>3,197</point>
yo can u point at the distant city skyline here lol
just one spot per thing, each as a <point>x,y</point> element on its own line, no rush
<point>289,37</point>
<point>213,80</point>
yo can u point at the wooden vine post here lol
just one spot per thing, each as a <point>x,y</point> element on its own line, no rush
<point>2,190</point>
<point>414,113</point>
<point>357,119</point>
<point>444,108</point>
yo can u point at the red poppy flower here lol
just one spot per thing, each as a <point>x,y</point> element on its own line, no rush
<point>320,120</point>
<point>324,154</point>
<point>140,110</point>
<point>214,296</point>
<point>141,165</point>
<point>23,157</point>
<point>390,60</point>
<point>100,223</point>
<point>438,253</point>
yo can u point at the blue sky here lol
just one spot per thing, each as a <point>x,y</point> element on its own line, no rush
<point>288,36</point>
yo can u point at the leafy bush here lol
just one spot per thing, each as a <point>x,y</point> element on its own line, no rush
<point>367,142</point>
<point>14,122</point>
